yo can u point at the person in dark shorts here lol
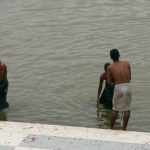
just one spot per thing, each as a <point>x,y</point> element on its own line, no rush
<point>105,96</point>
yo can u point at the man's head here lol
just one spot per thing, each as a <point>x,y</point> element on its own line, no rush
<point>106,66</point>
<point>114,54</point>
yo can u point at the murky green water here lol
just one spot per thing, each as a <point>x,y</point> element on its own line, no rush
<point>55,52</point>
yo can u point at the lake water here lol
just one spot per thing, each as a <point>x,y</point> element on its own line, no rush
<point>55,51</point>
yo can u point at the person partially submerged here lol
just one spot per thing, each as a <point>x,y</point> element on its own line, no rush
<point>3,86</point>
<point>104,96</point>
<point>119,74</point>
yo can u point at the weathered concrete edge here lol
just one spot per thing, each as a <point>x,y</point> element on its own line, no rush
<point>109,136</point>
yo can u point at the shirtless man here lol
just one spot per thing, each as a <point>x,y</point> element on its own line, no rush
<point>3,85</point>
<point>119,74</point>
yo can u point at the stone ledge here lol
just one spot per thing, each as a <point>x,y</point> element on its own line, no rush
<point>25,136</point>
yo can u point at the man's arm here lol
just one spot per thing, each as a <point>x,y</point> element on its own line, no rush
<point>4,71</point>
<point>101,80</point>
<point>129,72</point>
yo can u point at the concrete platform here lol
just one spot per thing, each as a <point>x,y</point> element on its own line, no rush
<point>28,136</point>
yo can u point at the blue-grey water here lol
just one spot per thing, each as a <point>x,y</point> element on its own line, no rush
<point>55,51</point>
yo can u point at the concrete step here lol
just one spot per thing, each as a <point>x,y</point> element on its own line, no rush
<point>30,136</point>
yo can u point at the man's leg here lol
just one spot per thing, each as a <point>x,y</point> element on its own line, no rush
<point>113,118</point>
<point>126,119</point>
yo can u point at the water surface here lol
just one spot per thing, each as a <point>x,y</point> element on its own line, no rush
<point>55,52</point>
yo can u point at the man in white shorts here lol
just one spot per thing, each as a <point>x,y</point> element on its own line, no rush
<point>119,74</point>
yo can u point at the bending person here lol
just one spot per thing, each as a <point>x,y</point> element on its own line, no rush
<point>105,97</point>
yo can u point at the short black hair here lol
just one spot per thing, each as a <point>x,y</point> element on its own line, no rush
<point>106,66</point>
<point>114,54</point>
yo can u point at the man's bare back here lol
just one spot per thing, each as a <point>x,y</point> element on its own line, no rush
<point>119,72</point>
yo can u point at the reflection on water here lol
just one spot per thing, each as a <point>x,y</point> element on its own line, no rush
<point>3,116</point>
<point>104,117</point>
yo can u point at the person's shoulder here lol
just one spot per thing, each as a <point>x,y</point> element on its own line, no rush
<point>124,61</point>
<point>103,75</point>
<point>110,66</point>
<point>126,64</point>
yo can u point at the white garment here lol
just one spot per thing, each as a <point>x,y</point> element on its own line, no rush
<point>122,97</point>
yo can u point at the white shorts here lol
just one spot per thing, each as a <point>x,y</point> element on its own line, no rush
<point>122,97</point>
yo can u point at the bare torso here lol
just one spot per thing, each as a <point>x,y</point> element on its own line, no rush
<point>119,72</point>
<point>3,71</point>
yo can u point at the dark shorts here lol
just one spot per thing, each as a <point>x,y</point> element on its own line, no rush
<point>3,94</point>
<point>106,97</point>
